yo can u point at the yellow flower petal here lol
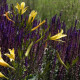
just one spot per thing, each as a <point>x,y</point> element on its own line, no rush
<point>21,8</point>
<point>18,7</point>
<point>38,25</point>
<point>32,15</point>
<point>60,40</point>
<point>11,55</point>
<point>3,63</point>
<point>61,31</point>
<point>58,36</point>
<point>12,52</point>
<point>8,55</point>
<point>1,75</point>
<point>24,10</point>
<point>22,5</point>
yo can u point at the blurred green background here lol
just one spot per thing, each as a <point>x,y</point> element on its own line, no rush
<point>70,9</point>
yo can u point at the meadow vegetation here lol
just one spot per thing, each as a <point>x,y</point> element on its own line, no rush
<point>69,9</point>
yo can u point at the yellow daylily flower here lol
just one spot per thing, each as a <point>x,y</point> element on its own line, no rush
<point>11,55</point>
<point>38,25</point>
<point>32,15</point>
<point>6,14</point>
<point>22,5</point>
<point>3,63</point>
<point>58,36</point>
<point>21,8</point>
<point>2,76</point>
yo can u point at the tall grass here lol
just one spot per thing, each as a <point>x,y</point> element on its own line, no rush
<point>70,9</point>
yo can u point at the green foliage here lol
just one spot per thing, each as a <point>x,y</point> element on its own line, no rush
<point>31,77</point>
<point>75,61</point>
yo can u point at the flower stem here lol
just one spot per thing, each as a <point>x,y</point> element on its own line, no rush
<point>11,67</point>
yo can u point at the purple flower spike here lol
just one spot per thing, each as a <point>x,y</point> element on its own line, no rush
<point>26,61</point>
<point>34,23</point>
<point>6,7</point>
<point>64,27</point>
<point>75,23</point>
<point>58,25</point>
<point>1,10</point>
<point>54,20</point>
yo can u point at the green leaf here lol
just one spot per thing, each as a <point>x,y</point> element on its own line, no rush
<point>74,61</point>
<point>60,60</point>
<point>67,64</point>
<point>31,77</point>
<point>34,78</point>
<point>20,52</point>
<point>28,50</point>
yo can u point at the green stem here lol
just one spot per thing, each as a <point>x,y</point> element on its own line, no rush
<point>39,39</point>
<point>11,67</point>
<point>6,77</point>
